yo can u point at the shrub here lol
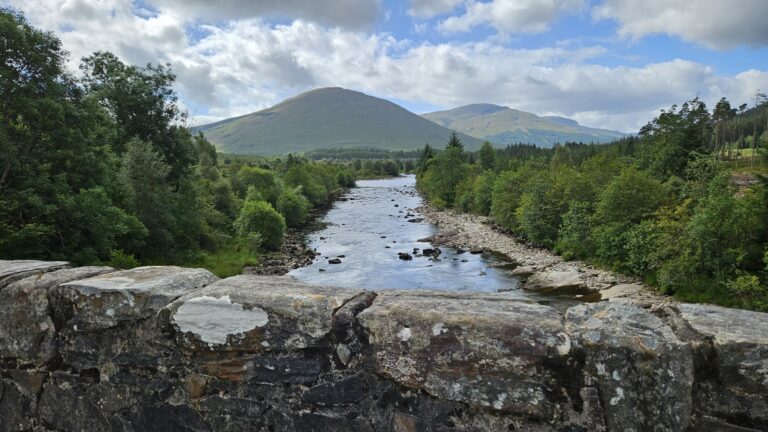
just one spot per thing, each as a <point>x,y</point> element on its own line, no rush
<point>121,260</point>
<point>293,206</point>
<point>259,217</point>
<point>264,181</point>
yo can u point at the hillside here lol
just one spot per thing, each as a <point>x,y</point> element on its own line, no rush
<point>502,125</point>
<point>328,118</point>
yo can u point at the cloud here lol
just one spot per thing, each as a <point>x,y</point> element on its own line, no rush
<point>557,80</point>
<point>350,14</point>
<point>717,24</point>
<point>430,8</point>
<point>510,16</point>
<point>240,66</point>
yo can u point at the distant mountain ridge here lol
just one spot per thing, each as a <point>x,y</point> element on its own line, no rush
<point>328,118</point>
<point>502,125</point>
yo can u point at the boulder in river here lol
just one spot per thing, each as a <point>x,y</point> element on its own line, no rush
<point>334,261</point>
<point>405,256</point>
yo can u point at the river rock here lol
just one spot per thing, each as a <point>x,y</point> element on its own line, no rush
<point>550,281</point>
<point>736,384</point>
<point>623,291</point>
<point>334,261</point>
<point>11,271</point>
<point>522,271</point>
<point>468,348</point>
<point>404,256</point>
<point>641,370</point>
<point>27,331</point>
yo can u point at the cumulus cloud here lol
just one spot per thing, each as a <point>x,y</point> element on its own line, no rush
<point>715,23</point>
<point>351,14</point>
<point>430,8</point>
<point>510,16</point>
<point>241,66</point>
<point>554,80</point>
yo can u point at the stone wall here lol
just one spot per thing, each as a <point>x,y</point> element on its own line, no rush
<point>175,349</point>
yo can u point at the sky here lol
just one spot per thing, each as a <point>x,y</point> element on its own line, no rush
<point>605,63</point>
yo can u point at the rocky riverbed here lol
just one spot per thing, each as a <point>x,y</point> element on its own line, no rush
<point>541,270</point>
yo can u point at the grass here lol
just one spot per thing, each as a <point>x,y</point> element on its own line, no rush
<point>229,260</point>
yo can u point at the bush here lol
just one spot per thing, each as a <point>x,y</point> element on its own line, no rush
<point>121,260</point>
<point>264,181</point>
<point>259,217</point>
<point>293,206</point>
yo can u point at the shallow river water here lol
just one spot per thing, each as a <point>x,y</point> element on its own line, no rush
<point>368,229</point>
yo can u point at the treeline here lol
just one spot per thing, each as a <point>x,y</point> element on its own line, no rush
<point>101,169</point>
<point>369,162</point>
<point>362,153</point>
<point>662,206</point>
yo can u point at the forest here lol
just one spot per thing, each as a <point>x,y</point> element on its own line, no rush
<point>683,205</point>
<point>100,168</point>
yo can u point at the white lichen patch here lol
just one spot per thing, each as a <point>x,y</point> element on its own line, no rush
<point>565,347</point>
<point>439,329</point>
<point>499,403</point>
<point>213,319</point>
<point>619,396</point>
<point>404,334</point>
<point>600,369</point>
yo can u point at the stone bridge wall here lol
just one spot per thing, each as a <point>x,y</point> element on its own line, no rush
<point>176,349</point>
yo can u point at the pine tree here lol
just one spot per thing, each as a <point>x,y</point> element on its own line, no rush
<point>454,141</point>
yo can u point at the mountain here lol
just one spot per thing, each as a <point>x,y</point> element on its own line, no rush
<point>502,125</point>
<point>328,118</point>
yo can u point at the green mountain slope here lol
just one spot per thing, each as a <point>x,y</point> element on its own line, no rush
<point>328,118</point>
<point>502,125</point>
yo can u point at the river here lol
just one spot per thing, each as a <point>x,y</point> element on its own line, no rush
<point>370,226</point>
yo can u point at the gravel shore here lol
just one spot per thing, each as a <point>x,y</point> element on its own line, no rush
<point>540,269</point>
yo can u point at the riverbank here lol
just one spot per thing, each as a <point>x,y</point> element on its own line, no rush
<point>294,252</point>
<point>540,269</point>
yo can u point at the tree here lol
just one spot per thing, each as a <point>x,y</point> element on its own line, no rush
<point>721,114</point>
<point>143,191</point>
<point>669,141</point>
<point>54,159</point>
<point>142,102</point>
<point>455,142</point>
<point>426,155</point>
<point>487,156</point>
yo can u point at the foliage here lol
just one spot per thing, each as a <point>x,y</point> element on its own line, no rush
<point>293,206</point>
<point>120,260</point>
<point>260,224</point>
<point>662,206</point>
<point>102,169</point>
